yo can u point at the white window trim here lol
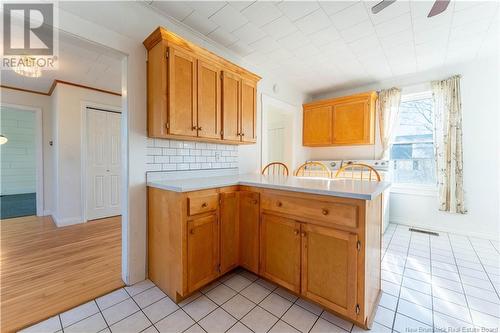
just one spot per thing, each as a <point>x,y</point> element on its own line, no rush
<point>414,189</point>
<point>429,190</point>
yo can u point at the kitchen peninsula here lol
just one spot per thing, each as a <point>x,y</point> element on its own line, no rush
<point>318,238</point>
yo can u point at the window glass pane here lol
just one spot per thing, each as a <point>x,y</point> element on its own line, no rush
<point>412,151</point>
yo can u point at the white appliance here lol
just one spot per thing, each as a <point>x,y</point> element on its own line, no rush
<point>383,168</point>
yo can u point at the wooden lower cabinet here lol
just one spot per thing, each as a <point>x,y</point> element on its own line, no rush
<point>229,231</point>
<point>195,237</point>
<point>280,251</point>
<point>202,251</point>
<point>329,259</point>
<point>249,230</point>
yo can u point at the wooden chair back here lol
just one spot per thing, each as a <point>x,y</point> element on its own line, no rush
<point>275,168</point>
<point>358,171</point>
<point>312,169</point>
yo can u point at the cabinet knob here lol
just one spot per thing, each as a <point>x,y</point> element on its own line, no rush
<point>204,205</point>
<point>242,134</point>
<point>254,201</point>
<point>325,211</point>
<point>194,128</point>
<point>191,231</point>
<point>279,204</point>
<point>303,234</point>
<point>199,128</point>
<point>295,232</point>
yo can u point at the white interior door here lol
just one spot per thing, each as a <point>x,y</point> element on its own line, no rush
<point>103,164</point>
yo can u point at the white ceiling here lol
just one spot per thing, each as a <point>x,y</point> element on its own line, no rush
<point>321,45</point>
<point>80,62</point>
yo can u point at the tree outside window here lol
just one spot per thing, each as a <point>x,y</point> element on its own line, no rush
<point>412,151</point>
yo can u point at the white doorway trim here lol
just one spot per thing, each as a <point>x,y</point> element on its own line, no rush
<point>294,110</point>
<point>39,152</point>
<point>84,175</point>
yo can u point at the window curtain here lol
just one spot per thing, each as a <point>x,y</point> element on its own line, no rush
<point>388,111</point>
<point>448,144</point>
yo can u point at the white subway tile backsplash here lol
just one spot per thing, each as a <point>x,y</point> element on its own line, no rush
<point>168,155</point>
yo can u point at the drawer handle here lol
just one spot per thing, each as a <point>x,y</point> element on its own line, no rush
<point>325,211</point>
<point>295,232</point>
<point>279,204</point>
<point>204,205</point>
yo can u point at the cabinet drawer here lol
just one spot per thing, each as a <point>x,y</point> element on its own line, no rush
<point>202,204</point>
<point>339,213</point>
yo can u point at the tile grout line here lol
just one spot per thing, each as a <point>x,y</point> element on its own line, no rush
<point>484,269</point>
<point>460,277</point>
<point>401,284</point>
<point>140,309</point>
<point>432,289</point>
<point>60,322</point>
<point>102,314</point>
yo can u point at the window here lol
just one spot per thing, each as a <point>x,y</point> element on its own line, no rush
<point>412,151</point>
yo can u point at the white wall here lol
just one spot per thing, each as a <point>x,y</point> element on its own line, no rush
<point>480,103</point>
<point>18,155</point>
<point>21,98</point>
<point>68,102</point>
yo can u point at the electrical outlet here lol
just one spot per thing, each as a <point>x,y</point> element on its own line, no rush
<point>217,156</point>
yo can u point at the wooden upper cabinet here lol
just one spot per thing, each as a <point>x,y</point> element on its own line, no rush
<point>181,91</point>
<point>202,251</point>
<point>209,100</point>
<point>229,231</point>
<point>231,86</point>
<point>248,119</point>
<point>352,122</point>
<point>330,255</point>
<point>317,130</point>
<point>348,120</point>
<point>249,230</point>
<point>190,99</point>
<point>280,251</point>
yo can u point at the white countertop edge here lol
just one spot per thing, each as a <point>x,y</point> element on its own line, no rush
<point>233,182</point>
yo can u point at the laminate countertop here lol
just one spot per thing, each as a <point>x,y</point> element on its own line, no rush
<point>344,188</point>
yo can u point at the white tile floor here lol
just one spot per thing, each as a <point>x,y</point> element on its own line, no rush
<point>447,283</point>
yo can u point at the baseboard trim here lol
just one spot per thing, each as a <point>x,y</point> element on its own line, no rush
<point>407,223</point>
<point>67,221</point>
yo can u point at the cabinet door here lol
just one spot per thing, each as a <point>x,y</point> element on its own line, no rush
<point>248,111</point>
<point>181,92</point>
<point>280,251</point>
<point>229,231</point>
<point>203,251</point>
<point>157,91</point>
<point>249,230</point>
<point>230,106</point>
<point>317,130</point>
<point>209,101</point>
<point>352,122</point>
<point>329,259</point>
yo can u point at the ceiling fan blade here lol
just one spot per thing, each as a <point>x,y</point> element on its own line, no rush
<point>381,5</point>
<point>438,7</point>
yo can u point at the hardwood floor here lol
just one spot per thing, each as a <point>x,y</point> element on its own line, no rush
<point>45,270</point>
